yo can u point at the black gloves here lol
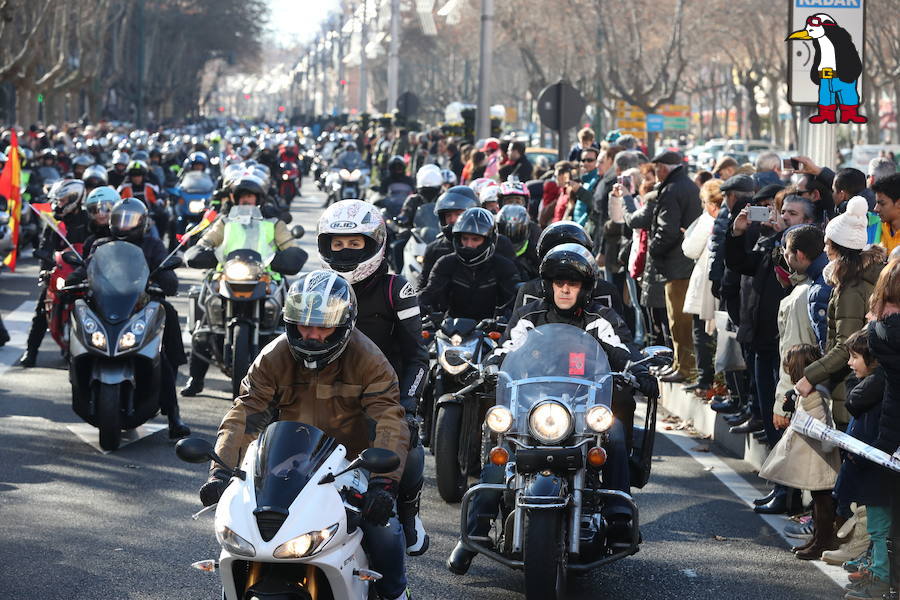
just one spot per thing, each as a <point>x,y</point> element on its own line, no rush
<point>717,289</point>
<point>647,385</point>
<point>413,423</point>
<point>378,503</point>
<point>213,489</point>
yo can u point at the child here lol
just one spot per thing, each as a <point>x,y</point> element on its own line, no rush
<point>860,480</point>
<point>800,462</point>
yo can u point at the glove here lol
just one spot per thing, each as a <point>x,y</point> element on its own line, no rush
<point>716,290</point>
<point>648,385</point>
<point>378,503</point>
<point>213,489</point>
<point>413,423</point>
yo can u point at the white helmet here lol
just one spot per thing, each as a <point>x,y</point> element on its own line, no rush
<point>489,193</point>
<point>353,217</point>
<point>429,176</point>
<point>481,183</point>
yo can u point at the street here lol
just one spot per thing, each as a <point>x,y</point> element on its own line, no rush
<point>76,523</point>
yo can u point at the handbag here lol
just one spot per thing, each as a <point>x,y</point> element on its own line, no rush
<point>728,351</point>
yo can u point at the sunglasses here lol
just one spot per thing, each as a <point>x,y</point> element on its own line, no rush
<point>588,160</point>
<point>817,22</point>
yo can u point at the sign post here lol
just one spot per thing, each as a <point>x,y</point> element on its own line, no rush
<point>560,107</point>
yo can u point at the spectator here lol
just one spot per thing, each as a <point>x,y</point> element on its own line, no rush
<point>725,168</point>
<point>849,182</point>
<point>568,184</point>
<point>519,166</point>
<point>702,177</point>
<point>454,159</point>
<point>677,206</point>
<point>814,183</point>
<point>887,207</point>
<point>601,199</point>
<point>494,158</point>
<point>768,169</point>
<point>879,168</point>
<point>474,169</point>
<point>804,253</point>
<point>586,139</point>
<point>628,142</point>
<point>852,272</point>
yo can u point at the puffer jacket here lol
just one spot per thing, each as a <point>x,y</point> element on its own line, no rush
<point>677,206</point>
<point>819,295</point>
<point>699,299</point>
<point>884,343</point>
<point>846,315</point>
<point>355,400</point>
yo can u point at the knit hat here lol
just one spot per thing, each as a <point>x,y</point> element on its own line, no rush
<point>849,229</point>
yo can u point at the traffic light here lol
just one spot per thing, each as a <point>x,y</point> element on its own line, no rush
<point>40,98</point>
<point>281,108</point>
<point>343,82</point>
<point>221,109</point>
<point>246,96</point>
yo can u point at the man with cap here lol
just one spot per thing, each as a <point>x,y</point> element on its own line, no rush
<point>677,206</point>
<point>726,168</point>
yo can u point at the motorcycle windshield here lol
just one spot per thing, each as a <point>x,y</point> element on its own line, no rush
<point>117,276</point>
<point>247,237</point>
<point>197,183</point>
<point>554,362</point>
<point>289,454</point>
<point>426,223</point>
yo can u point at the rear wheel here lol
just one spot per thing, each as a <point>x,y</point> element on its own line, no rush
<point>109,416</point>
<point>544,556</point>
<point>240,353</point>
<point>451,481</point>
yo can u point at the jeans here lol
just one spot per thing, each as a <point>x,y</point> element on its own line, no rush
<point>386,548</point>
<point>834,91</point>
<point>765,372</point>
<point>704,347</point>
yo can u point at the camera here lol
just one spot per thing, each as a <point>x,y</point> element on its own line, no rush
<point>758,214</point>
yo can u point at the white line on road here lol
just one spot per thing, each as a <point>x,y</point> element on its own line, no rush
<point>744,491</point>
<point>17,324</point>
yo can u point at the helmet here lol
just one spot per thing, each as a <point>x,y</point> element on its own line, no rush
<point>481,183</point>
<point>353,217</point>
<point>48,153</point>
<point>137,167</point>
<point>120,158</point>
<point>94,175</point>
<point>198,157</point>
<point>513,221</point>
<point>128,220</point>
<point>249,183</point>
<point>477,221</point>
<point>562,232</point>
<point>572,262</point>
<point>429,176</point>
<point>396,164</point>
<point>448,177</point>
<point>65,196</point>
<point>141,155</point>
<point>83,160</point>
<point>100,202</point>
<point>244,151</point>
<point>458,197</point>
<point>513,189</point>
<point>319,299</point>
<point>488,194</point>
<point>351,146</point>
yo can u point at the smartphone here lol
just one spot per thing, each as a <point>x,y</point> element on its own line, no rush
<point>627,182</point>
<point>758,213</point>
<point>795,164</point>
<point>787,164</point>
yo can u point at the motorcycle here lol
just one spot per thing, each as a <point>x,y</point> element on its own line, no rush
<point>289,520</point>
<point>236,310</point>
<point>457,406</point>
<point>57,310</point>
<point>115,341</point>
<point>289,186</point>
<point>551,425</point>
<point>347,185</point>
<point>425,230</point>
<point>192,196</point>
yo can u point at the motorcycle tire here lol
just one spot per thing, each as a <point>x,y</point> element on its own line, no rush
<point>109,415</point>
<point>240,353</point>
<point>451,481</point>
<point>544,556</point>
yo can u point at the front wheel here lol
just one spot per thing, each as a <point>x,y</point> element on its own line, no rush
<point>544,556</point>
<point>451,481</point>
<point>240,353</point>
<point>109,416</point>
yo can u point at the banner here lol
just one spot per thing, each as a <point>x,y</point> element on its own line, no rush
<point>208,218</point>
<point>10,182</point>
<point>810,427</point>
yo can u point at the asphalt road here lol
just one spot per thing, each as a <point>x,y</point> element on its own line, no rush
<point>78,524</point>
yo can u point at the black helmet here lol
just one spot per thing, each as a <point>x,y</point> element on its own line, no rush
<point>319,299</point>
<point>459,197</point>
<point>562,232</point>
<point>476,221</point>
<point>512,221</point>
<point>251,184</point>
<point>571,262</point>
<point>396,164</point>
<point>49,153</point>
<point>137,167</point>
<point>128,220</point>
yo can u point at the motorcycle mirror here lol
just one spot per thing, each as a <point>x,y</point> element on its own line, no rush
<point>70,257</point>
<point>379,460</point>
<point>194,450</point>
<point>297,231</point>
<point>655,355</point>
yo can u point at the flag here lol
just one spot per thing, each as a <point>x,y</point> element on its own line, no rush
<point>208,217</point>
<point>10,180</point>
<point>45,212</point>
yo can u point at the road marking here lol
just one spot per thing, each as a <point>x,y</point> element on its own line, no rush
<point>90,435</point>
<point>17,323</point>
<point>690,573</point>
<point>745,492</point>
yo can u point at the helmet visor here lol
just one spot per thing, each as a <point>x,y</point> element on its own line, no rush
<point>125,220</point>
<point>319,302</point>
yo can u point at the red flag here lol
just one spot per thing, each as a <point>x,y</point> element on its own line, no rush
<point>208,217</point>
<point>10,181</point>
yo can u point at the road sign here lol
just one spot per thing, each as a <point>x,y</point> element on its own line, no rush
<point>408,105</point>
<point>655,122</point>
<point>848,14</point>
<point>560,107</point>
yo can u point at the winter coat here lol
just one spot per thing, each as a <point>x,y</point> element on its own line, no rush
<point>860,480</point>
<point>846,315</point>
<point>884,343</point>
<point>677,206</point>
<point>800,462</point>
<point>353,399</point>
<point>819,295</point>
<point>653,294</point>
<point>794,327</point>
<point>699,299</point>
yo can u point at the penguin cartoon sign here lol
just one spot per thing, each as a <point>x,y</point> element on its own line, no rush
<point>832,64</point>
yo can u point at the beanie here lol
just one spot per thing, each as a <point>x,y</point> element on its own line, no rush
<point>849,229</point>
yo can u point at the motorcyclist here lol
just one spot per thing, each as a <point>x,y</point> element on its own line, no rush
<point>513,222</point>
<point>563,232</point>
<point>449,178</point>
<point>322,349</point>
<point>98,205</point>
<point>350,158</point>
<point>389,315</point>
<point>428,188</point>
<point>274,235</point>
<point>196,161</point>
<point>128,221</point>
<point>116,175</point>
<point>568,274</point>
<point>66,197</point>
<point>137,186</point>
<point>488,198</point>
<point>79,164</point>
<point>397,174</point>
<point>94,176</point>
<point>473,281</point>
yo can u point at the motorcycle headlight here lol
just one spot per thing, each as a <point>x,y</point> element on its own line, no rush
<point>498,419</point>
<point>60,283</point>
<point>239,270</point>
<point>133,334</point>
<point>98,340</point>
<point>355,175</point>
<point>550,422</point>
<point>233,542</point>
<point>420,260</point>
<point>307,544</point>
<point>599,418</point>
<point>197,206</point>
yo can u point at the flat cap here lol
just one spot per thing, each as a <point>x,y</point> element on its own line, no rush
<point>738,183</point>
<point>668,157</point>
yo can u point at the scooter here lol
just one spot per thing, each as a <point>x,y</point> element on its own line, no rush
<point>289,520</point>
<point>425,230</point>
<point>57,310</point>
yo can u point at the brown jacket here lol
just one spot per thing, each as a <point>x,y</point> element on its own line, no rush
<point>352,399</point>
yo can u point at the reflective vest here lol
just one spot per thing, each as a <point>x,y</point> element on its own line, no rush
<point>258,235</point>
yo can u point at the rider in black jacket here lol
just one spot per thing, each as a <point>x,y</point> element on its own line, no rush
<point>351,241</point>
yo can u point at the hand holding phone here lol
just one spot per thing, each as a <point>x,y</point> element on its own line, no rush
<point>759,214</point>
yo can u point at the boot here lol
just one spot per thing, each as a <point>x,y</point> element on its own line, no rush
<point>194,386</point>
<point>4,335</point>
<point>823,532</point>
<point>177,428</point>
<point>28,359</point>
<point>849,114</point>
<point>827,114</point>
<point>417,540</point>
<point>854,544</point>
<point>766,499</point>
<point>460,559</point>
<point>197,369</point>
